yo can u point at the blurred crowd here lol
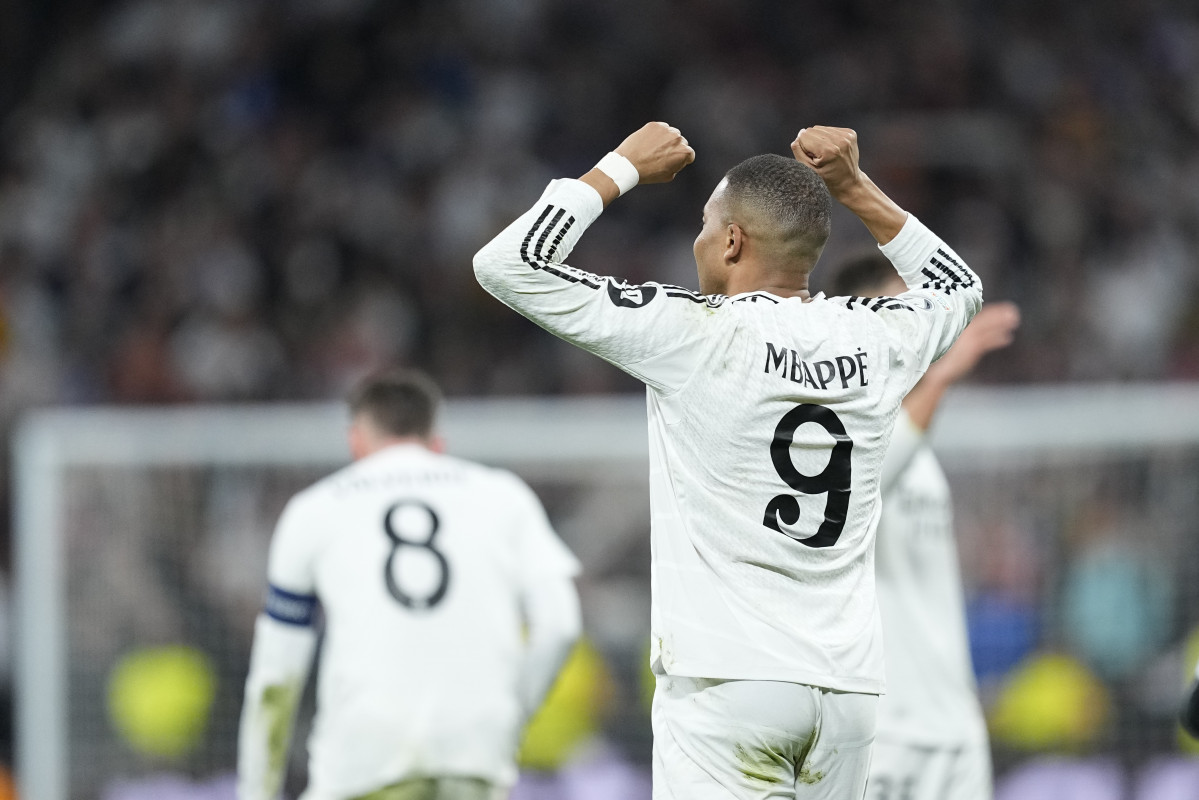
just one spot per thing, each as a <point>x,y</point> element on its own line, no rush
<point>229,200</point>
<point>246,200</point>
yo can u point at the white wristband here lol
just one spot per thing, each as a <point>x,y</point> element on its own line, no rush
<point>620,170</point>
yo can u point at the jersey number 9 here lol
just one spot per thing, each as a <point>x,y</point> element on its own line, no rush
<point>833,481</point>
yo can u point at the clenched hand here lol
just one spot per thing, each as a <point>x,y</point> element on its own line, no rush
<point>658,151</point>
<point>833,153</point>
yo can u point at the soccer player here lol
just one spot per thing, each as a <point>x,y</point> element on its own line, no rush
<point>1190,709</point>
<point>769,416</point>
<point>428,569</point>
<point>931,742</point>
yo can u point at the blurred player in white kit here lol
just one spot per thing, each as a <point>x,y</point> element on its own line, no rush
<point>449,607</point>
<point>931,742</point>
<point>769,412</point>
<point>1190,708</point>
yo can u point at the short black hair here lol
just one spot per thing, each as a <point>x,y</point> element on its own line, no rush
<point>790,194</point>
<point>862,275</point>
<point>399,402</point>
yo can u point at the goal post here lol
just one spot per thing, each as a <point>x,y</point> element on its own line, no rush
<point>578,439</point>
<point>178,504</point>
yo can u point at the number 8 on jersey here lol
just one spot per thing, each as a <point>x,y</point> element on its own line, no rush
<point>408,536</point>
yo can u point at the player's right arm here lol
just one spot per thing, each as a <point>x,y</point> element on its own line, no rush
<point>652,331</point>
<point>551,610</point>
<point>280,660</point>
<point>992,328</point>
<point>547,595</point>
<point>943,293</point>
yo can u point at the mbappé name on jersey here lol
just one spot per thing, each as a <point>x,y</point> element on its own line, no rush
<point>768,421</point>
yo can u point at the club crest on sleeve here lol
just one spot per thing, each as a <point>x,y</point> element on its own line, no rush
<point>626,296</point>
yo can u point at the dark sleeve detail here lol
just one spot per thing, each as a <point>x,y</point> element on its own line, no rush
<point>944,276</point>
<point>959,271</point>
<point>290,608</point>
<point>540,262</point>
<point>545,234</point>
<point>626,296</point>
<point>561,235</point>
<point>622,294</point>
<point>877,304</point>
<point>711,300</point>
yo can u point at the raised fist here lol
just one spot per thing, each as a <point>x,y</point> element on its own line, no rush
<point>833,153</point>
<point>658,151</point>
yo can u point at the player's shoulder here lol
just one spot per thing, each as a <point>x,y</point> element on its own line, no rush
<point>819,304</point>
<point>894,319</point>
<point>749,310</point>
<point>402,463</point>
<point>880,305</point>
<point>410,467</point>
<point>498,479</point>
<point>371,471</point>
<point>680,302</point>
<point>502,487</point>
<point>469,469</point>
<point>681,293</point>
<point>303,511</point>
<point>314,494</point>
<point>818,313</point>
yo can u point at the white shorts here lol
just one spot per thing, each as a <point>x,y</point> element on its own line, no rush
<point>751,740</point>
<point>901,771</point>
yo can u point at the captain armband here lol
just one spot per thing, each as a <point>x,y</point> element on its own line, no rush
<point>290,608</point>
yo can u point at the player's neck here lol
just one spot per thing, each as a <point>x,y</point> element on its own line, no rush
<point>784,286</point>
<point>755,277</point>
<point>376,445</point>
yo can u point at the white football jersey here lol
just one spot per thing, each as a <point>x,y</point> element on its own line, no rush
<point>931,694</point>
<point>768,420</point>
<point>419,561</point>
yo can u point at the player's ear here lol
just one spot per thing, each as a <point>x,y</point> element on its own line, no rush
<point>436,443</point>
<point>734,240</point>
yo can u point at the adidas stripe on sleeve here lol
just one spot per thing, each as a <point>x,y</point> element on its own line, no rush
<point>653,331</point>
<point>941,289</point>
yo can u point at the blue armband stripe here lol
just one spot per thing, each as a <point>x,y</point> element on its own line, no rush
<point>290,608</point>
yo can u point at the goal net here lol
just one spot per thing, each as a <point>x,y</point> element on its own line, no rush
<point>141,540</point>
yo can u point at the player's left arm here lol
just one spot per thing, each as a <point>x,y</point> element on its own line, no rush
<point>943,293</point>
<point>280,660</point>
<point>991,329</point>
